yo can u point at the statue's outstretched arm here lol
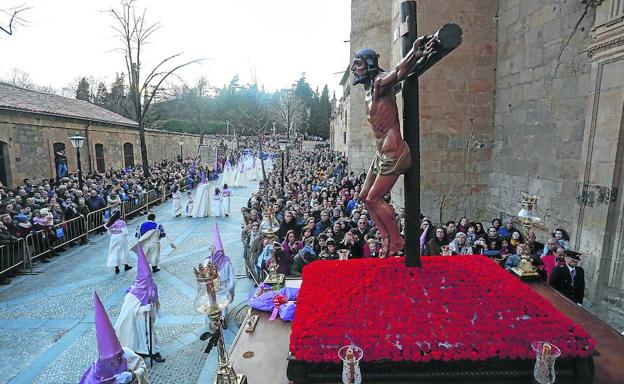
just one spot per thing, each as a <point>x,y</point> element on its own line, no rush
<point>423,46</point>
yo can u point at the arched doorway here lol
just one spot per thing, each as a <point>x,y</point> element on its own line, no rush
<point>128,150</point>
<point>100,165</point>
<point>60,159</point>
<point>5,166</point>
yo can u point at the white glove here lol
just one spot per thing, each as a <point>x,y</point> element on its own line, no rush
<point>146,308</point>
<point>123,377</point>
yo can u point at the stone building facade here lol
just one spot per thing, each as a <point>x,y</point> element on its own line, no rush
<point>33,125</point>
<point>531,101</point>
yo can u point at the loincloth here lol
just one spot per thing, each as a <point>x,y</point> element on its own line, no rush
<point>384,166</point>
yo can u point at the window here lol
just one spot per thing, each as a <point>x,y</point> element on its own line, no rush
<point>128,150</point>
<point>99,158</point>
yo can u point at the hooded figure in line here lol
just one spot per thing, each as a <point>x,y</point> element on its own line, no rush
<point>115,364</point>
<point>138,313</point>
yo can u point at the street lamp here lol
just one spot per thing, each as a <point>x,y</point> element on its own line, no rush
<point>181,142</point>
<point>77,142</point>
<point>283,144</point>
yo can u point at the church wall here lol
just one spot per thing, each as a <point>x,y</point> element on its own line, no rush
<point>370,28</point>
<point>559,132</point>
<point>599,226</point>
<point>541,91</point>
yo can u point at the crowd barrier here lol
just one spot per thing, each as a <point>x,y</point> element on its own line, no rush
<point>13,254</point>
<point>96,219</point>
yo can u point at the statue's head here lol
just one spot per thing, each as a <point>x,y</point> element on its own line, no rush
<point>365,66</point>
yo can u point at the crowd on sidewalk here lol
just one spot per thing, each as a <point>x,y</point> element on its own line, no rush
<point>319,216</point>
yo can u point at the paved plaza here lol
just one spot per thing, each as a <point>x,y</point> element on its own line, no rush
<point>47,332</point>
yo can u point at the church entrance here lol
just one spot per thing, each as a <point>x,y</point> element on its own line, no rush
<point>5,167</point>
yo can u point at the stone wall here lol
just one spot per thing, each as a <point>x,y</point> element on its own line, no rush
<point>31,139</point>
<point>541,90</point>
<point>370,28</point>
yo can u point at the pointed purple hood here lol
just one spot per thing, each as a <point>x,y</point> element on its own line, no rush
<point>228,164</point>
<point>144,287</point>
<point>218,258</point>
<point>111,360</point>
<point>202,177</point>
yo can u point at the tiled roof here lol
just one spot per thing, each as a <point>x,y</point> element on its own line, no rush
<point>20,99</point>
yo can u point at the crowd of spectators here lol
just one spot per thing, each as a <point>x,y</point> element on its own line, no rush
<point>39,206</point>
<point>320,217</point>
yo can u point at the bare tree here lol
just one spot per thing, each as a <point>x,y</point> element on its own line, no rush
<point>134,32</point>
<point>255,118</point>
<point>14,19</point>
<point>289,109</point>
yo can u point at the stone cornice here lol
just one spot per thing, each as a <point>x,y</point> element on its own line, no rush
<point>610,22</point>
<point>592,50</point>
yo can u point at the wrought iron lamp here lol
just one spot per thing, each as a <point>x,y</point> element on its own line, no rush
<point>77,142</point>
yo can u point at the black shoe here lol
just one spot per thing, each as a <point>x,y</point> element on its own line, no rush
<point>5,282</point>
<point>158,358</point>
<point>127,267</point>
<point>116,270</point>
<point>45,260</point>
<point>155,269</point>
<point>223,324</point>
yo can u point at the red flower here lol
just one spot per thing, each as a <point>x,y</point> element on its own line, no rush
<point>459,308</point>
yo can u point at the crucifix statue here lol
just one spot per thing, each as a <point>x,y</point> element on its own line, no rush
<point>396,156</point>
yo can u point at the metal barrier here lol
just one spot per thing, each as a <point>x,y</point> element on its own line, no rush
<point>69,231</point>
<point>12,255</point>
<point>40,243</point>
<point>133,206</point>
<point>152,197</point>
<point>95,220</point>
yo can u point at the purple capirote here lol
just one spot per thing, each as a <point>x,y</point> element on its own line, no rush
<point>144,287</point>
<point>111,360</point>
<point>218,258</point>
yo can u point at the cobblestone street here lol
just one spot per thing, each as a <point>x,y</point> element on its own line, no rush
<point>47,333</point>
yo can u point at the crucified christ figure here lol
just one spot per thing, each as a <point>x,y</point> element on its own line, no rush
<point>393,156</point>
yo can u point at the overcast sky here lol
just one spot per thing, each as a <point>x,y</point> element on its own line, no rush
<point>278,39</point>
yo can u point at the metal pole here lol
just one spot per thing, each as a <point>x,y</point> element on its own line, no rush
<point>181,158</point>
<point>411,134</point>
<point>282,170</point>
<point>79,169</point>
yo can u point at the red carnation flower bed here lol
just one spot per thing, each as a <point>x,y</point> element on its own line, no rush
<point>453,308</point>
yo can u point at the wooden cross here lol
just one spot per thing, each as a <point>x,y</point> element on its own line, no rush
<point>447,39</point>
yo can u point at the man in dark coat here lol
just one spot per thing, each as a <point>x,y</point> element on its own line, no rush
<point>569,279</point>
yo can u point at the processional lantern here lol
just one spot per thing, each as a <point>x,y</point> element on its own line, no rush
<point>211,299</point>
<point>528,218</point>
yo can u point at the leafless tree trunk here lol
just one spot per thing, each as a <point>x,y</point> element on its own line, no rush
<point>289,109</point>
<point>257,122</point>
<point>133,32</point>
